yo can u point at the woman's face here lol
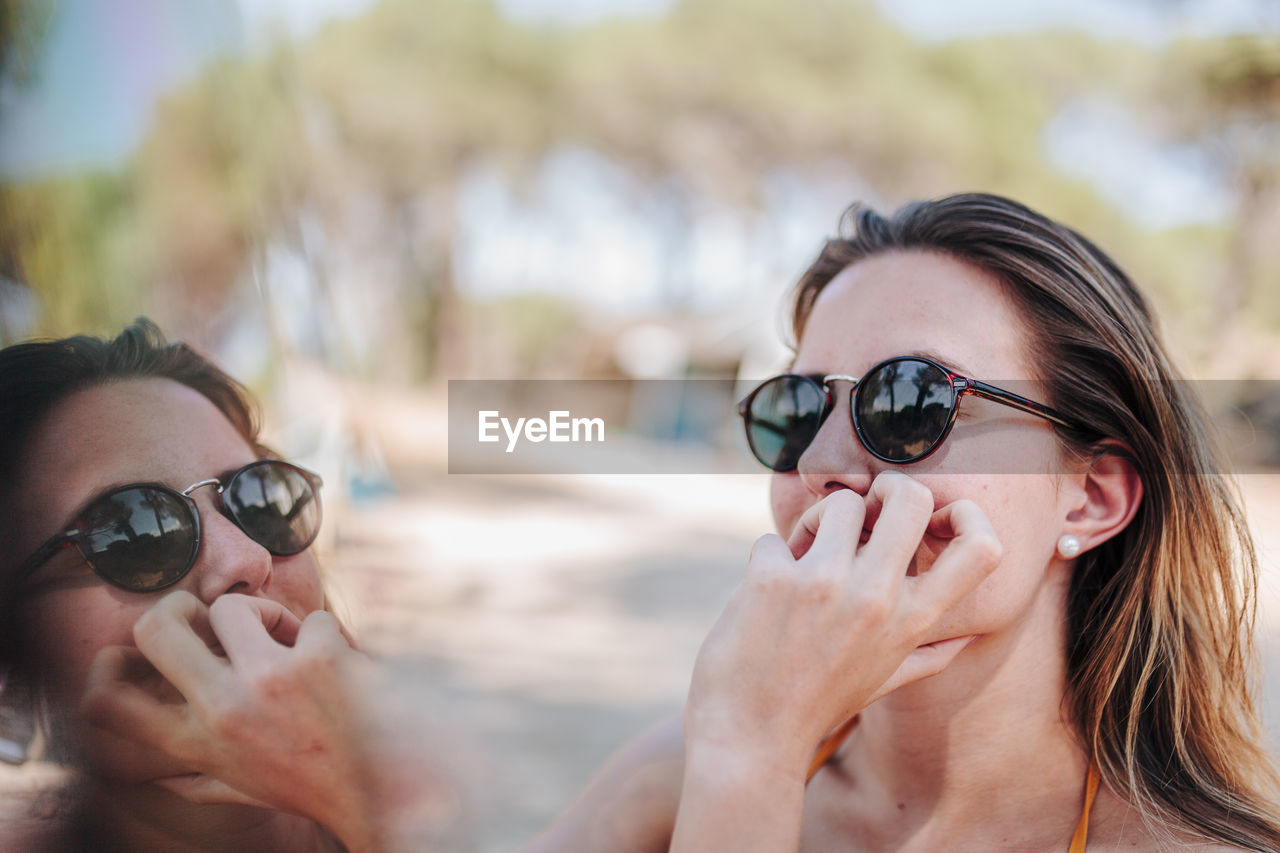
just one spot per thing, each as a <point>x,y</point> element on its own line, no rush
<point>1004,460</point>
<point>138,430</point>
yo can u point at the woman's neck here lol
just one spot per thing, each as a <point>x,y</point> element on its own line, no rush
<point>984,743</point>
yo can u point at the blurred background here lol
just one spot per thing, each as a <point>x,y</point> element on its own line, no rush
<point>348,203</point>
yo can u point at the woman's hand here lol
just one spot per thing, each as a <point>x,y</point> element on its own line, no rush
<point>269,710</point>
<point>819,628</point>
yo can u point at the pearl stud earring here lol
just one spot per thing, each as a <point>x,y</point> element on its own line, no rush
<point>1068,546</point>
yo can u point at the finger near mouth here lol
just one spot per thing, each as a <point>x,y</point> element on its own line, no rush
<point>800,547</point>
<point>177,783</point>
<point>913,567</point>
<point>972,639</point>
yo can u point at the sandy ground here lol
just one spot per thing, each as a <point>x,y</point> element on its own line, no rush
<point>545,620</point>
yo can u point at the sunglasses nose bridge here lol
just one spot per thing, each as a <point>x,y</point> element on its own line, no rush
<point>827,382</point>
<point>834,457</point>
<point>218,502</point>
<point>212,481</point>
<point>832,397</point>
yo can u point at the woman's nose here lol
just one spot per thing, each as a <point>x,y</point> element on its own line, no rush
<point>836,459</point>
<point>229,560</point>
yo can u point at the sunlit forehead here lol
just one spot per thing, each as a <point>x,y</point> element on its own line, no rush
<point>914,303</point>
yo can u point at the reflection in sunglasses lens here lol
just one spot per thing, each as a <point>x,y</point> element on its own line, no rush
<point>140,538</point>
<point>276,505</point>
<point>784,416</point>
<point>903,408</point>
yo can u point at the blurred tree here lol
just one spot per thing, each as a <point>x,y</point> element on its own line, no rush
<point>353,146</point>
<point>23,27</point>
<point>414,94</point>
<point>1235,104</point>
<point>224,170</point>
<point>79,242</point>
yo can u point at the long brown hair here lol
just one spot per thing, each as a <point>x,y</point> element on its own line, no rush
<point>35,376</point>
<point>1160,617</point>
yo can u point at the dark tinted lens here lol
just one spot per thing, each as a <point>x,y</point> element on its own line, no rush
<point>275,504</point>
<point>782,419</point>
<point>902,409</point>
<point>140,538</point>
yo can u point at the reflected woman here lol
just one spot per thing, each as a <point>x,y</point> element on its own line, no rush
<point>154,552</point>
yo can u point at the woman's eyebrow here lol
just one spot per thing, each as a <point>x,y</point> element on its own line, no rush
<point>931,354</point>
<point>945,360</point>
<point>109,487</point>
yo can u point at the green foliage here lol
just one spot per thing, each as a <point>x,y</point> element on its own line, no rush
<point>82,249</point>
<point>527,333</point>
<point>416,89</point>
<point>388,108</point>
<point>23,26</point>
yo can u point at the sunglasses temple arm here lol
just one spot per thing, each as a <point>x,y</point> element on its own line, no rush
<point>43,555</point>
<point>1008,398</point>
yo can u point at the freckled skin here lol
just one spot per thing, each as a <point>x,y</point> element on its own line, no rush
<point>139,430</point>
<point>980,755</point>
<point>1007,687</point>
<point>959,312</point>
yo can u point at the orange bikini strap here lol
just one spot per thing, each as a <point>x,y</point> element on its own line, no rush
<point>829,746</point>
<point>837,738</point>
<point>1082,828</point>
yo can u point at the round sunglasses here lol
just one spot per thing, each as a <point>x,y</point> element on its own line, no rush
<point>902,410</point>
<point>144,537</point>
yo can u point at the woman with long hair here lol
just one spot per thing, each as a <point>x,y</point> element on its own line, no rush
<point>1010,600</point>
<point>156,553</point>
<point>1014,604</point>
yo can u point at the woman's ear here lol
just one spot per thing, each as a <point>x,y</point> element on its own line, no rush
<point>1109,494</point>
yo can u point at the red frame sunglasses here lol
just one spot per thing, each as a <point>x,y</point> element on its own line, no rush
<point>144,537</point>
<point>902,410</point>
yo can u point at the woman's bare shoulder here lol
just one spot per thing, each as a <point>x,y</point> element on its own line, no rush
<point>630,804</point>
